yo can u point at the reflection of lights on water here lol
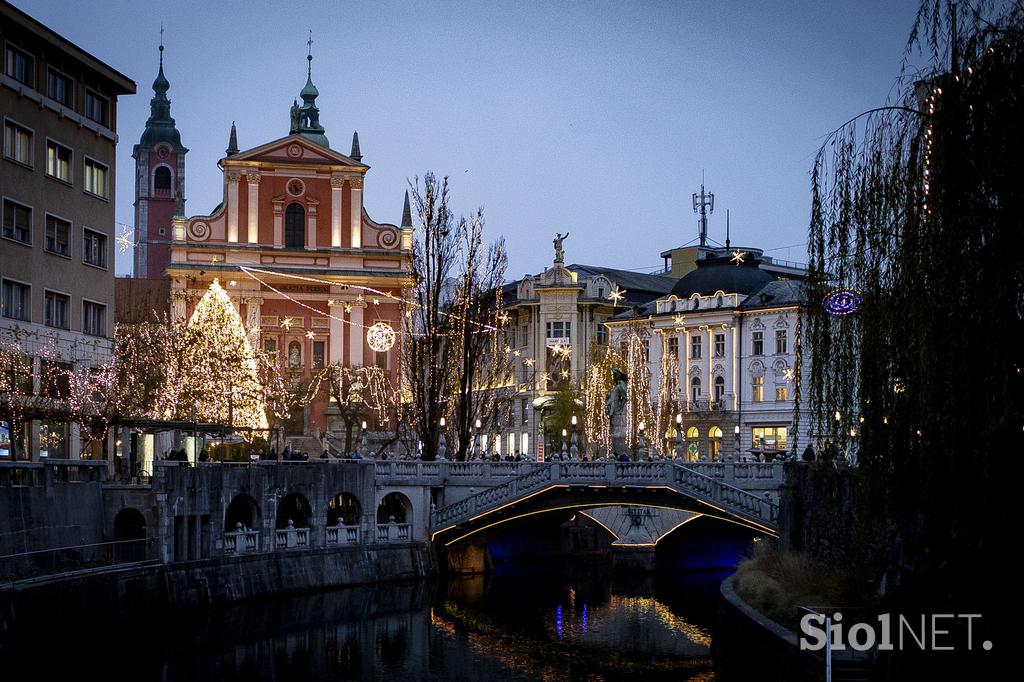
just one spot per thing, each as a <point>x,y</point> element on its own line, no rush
<point>584,618</point>
<point>558,620</point>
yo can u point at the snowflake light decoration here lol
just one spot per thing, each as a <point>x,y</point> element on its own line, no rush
<point>738,257</point>
<point>616,295</point>
<point>380,337</point>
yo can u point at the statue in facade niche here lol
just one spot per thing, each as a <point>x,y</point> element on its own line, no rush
<point>559,251</point>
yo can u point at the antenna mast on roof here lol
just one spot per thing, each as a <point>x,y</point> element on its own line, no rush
<point>726,229</point>
<point>703,204</point>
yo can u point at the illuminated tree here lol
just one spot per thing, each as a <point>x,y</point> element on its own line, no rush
<point>217,376</point>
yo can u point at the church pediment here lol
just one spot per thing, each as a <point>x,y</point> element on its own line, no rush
<point>296,149</point>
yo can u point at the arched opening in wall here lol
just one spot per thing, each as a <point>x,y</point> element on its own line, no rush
<point>719,391</point>
<point>394,508</point>
<point>294,226</point>
<point>692,444</point>
<point>715,439</point>
<point>344,508</point>
<point>294,508</point>
<point>130,533</point>
<point>242,514</point>
<point>162,179</point>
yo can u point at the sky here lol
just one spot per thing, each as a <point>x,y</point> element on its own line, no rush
<point>593,118</point>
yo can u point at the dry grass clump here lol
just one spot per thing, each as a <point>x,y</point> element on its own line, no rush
<point>777,582</point>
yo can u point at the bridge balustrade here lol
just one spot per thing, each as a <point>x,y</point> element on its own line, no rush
<point>342,535</point>
<point>291,537</point>
<point>393,532</point>
<point>241,541</point>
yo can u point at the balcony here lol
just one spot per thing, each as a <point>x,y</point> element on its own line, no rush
<point>724,404</point>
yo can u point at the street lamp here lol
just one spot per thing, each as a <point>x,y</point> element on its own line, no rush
<point>574,448</point>
<point>641,446</point>
<point>679,436</point>
<point>476,440</point>
<point>362,444</point>
<point>736,433</point>
<point>442,445</point>
<point>564,453</point>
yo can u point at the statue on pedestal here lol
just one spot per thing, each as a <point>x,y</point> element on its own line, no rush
<point>615,407</point>
<point>559,251</point>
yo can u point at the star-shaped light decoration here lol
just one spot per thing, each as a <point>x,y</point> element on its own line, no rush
<point>310,335</point>
<point>124,239</point>
<point>565,374</point>
<point>544,378</point>
<point>360,298</point>
<point>616,295</point>
<point>566,351</point>
<point>330,302</point>
<point>376,301</point>
<point>529,362</point>
<point>503,317</point>
<point>738,257</point>
<point>508,349</point>
<point>516,353</point>
<point>789,374</point>
<point>348,307</point>
<point>287,323</point>
<point>679,320</point>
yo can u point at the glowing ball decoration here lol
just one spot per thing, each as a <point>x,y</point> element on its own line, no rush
<point>380,337</point>
<point>841,302</point>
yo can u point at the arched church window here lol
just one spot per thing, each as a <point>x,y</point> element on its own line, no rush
<point>162,178</point>
<point>294,226</point>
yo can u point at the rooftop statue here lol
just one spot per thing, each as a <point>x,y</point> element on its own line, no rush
<point>559,251</point>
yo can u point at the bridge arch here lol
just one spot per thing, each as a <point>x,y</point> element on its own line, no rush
<point>394,507</point>
<point>294,507</point>
<point>344,509</point>
<point>130,532</point>
<point>243,510</point>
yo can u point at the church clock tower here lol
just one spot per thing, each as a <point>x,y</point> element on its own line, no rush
<point>159,183</point>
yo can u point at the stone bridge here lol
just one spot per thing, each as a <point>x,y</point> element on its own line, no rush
<point>224,510</point>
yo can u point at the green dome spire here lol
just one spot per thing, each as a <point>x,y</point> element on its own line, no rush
<point>305,120</point>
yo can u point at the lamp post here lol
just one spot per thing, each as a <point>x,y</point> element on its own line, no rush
<point>362,444</point>
<point>736,434</point>
<point>574,448</point>
<point>476,440</point>
<point>564,448</point>
<point>679,436</point>
<point>442,444</point>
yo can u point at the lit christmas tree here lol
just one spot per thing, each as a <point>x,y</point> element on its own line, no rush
<point>218,376</point>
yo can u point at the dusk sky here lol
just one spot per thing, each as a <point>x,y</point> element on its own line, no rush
<point>587,117</point>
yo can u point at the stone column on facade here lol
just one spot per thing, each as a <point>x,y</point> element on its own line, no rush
<point>312,205</point>
<point>711,372</point>
<point>336,330</point>
<point>74,440</point>
<point>355,348</point>
<point>252,207</point>
<point>253,320</point>
<point>356,227</point>
<point>33,440</point>
<point>686,364</point>
<point>278,223</point>
<point>735,369</point>
<point>337,184</point>
<point>232,177</point>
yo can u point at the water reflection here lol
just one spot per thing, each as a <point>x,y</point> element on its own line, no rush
<point>550,622</point>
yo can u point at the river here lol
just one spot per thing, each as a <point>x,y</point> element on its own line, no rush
<point>557,620</point>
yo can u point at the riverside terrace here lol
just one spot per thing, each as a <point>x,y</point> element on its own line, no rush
<point>64,516</point>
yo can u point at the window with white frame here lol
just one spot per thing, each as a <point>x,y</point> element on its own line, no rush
<point>560,330</point>
<point>673,346</point>
<point>758,343</point>
<point>17,143</point>
<point>695,389</point>
<point>780,341</point>
<point>58,161</point>
<point>58,236</point>
<point>16,300</point>
<point>17,222</point>
<point>59,87</point>
<point>94,318</point>
<point>695,346</point>
<point>97,108</point>
<point>55,309</point>
<point>96,178</point>
<point>94,248</point>
<point>719,345</point>
<point>602,333</point>
<point>20,66</point>
<point>758,389</point>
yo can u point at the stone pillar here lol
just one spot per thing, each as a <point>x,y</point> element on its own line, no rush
<point>336,346</point>
<point>252,209</point>
<point>33,440</point>
<point>356,227</point>
<point>179,306</point>
<point>74,440</point>
<point>337,183</point>
<point>278,223</point>
<point>311,209</point>
<point>233,177</point>
<point>253,320</point>
<point>355,348</point>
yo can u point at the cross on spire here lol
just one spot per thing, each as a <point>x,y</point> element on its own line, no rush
<point>309,54</point>
<point>161,45</point>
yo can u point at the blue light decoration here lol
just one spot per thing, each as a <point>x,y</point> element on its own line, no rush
<point>841,302</point>
<point>558,620</point>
